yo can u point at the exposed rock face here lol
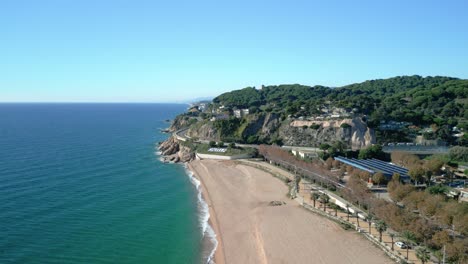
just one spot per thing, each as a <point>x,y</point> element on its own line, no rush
<point>270,124</point>
<point>263,125</point>
<point>172,151</point>
<point>185,154</point>
<point>357,136</point>
<point>178,123</point>
<point>255,124</point>
<point>205,131</point>
<point>266,126</point>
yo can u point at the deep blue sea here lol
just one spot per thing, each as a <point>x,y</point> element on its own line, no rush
<point>82,183</point>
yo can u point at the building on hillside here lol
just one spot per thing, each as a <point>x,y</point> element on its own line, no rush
<point>304,153</point>
<point>463,197</point>
<point>194,110</point>
<point>393,125</point>
<point>220,117</point>
<point>239,113</point>
<point>374,165</point>
<point>202,107</point>
<point>429,142</point>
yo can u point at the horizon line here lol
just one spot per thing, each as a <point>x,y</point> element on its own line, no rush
<point>93,102</point>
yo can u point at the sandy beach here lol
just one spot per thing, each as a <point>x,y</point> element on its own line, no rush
<point>249,230</point>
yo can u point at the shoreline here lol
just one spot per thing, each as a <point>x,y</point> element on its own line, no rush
<point>218,256</point>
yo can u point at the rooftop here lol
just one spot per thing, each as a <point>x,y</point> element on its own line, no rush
<point>375,165</point>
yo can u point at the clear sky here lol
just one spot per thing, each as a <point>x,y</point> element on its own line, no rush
<point>159,51</point>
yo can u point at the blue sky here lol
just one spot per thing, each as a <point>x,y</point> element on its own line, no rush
<point>159,51</point>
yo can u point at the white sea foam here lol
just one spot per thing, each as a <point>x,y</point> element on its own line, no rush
<point>207,230</point>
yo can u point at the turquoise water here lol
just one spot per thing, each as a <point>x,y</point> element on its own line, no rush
<point>81,183</point>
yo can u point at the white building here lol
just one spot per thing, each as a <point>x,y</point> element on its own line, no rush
<point>463,195</point>
<point>202,107</point>
<point>239,113</point>
<point>220,117</point>
<point>304,154</point>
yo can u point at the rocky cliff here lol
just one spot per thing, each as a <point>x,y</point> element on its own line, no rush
<point>204,130</point>
<point>262,125</point>
<point>173,151</point>
<point>356,133</point>
<point>179,122</point>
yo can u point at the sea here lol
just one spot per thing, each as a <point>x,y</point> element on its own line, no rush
<point>83,183</point>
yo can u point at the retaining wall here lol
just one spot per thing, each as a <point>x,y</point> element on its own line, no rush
<point>221,157</point>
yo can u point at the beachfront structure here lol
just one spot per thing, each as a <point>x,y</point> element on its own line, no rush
<point>374,165</point>
<point>219,150</point>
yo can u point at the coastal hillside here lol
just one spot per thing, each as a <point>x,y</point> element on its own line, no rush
<point>400,109</point>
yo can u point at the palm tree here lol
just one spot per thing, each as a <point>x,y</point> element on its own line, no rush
<point>381,226</point>
<point>347,211</point>
<point>408,238</point>
<point>315,197</point>
<point>392,236</point>
<point>423,254</point>
<point>298,181</point>
<point>325,199</point>
<point>357,217</point>
<point>369,221</point>
<point>335,208</point>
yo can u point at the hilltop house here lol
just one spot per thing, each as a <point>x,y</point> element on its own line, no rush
<point>239,113</point>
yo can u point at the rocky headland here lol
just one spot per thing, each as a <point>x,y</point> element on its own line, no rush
<point>173,151</point>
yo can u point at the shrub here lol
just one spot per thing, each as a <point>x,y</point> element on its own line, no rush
<point>437,189</point>
<point>459,153</point>
<point>315,126</point>
<point>374,151</point>
<point>324,146</point>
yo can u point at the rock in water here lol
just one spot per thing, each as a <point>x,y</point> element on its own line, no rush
<point>173,151</point>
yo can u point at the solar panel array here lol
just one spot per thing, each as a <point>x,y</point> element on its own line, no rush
<point>376,166</point>
<point>219,150</point>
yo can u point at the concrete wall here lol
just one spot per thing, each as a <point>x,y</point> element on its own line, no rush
<point>221,157</point>
<point>176,134</point>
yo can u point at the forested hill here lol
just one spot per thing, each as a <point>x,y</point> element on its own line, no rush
<point>420,100</point>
